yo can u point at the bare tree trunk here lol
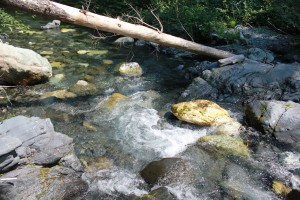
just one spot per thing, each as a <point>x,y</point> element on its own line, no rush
<point>84,18</point>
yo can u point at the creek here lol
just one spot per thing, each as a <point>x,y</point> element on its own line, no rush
<point>116,144</point>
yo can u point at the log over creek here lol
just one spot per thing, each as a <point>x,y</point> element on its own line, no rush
<point>85,18</point>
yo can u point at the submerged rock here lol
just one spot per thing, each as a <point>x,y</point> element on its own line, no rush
<point>165,171</point>
<point>201,112</point>
<point>124,40</point>
<point>59,94</point>
<point>278,118</point>
<point>23,66</point>
<point>112,101</point>
<point>131,69</point>
<point>83,88</point>
<point>260,55</point>
<point>225,144</point>
<point>161,193</point>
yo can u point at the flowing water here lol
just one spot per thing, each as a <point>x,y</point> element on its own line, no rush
<point>119,142</point>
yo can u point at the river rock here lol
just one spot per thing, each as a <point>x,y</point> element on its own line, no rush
<point>199,86</point>
<point>51,25</point>
<point>33,160</point>
<point>131,69</point>
<point>59,94</point>
<point>83,88</point>
<point>201,112</point>
<point>225,144</point>
<point>33,139</point>
<point>23,66</point>
<point>124,40</point>
<point>260,55</point>
<point>35,182</point>
<point>165,171</point>
<point>112,101</point>
<point>249,81</point>
<point>161,193</point>
<point>278,118</point>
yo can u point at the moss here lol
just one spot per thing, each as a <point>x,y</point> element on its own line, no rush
<point>280,189</point>
<point>225,144</point>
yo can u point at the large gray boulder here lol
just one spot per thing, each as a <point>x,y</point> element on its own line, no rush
<point>279,118</point>
<point>248,81</point>
<point>23,66</point>
<point>31,140</point>
<point>36,162</point>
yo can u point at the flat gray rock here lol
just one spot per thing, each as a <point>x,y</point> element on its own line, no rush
<point>24,128</point>
<point>8,144</point>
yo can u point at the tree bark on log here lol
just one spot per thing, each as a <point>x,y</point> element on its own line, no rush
<point>85,18</point>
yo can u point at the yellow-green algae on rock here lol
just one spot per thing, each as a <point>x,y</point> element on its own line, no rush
<point>280,189</point>
<point>225,144</point>
<point>57,64</point>
<point>201,112</point>
<point>59,94</point>
<point>67,30</point>
<point>92,52</point>
<point>112,100</point>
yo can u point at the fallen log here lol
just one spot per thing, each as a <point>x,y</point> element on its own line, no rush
<point>85,18</point>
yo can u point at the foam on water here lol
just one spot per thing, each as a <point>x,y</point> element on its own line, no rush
<point>140,131</point>
<point>116,181</point>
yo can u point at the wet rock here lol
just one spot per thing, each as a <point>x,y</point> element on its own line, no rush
<point>55,80</point>
<point>241,185</point>
<point>23,66</point>
<point>131,69</point>
<point>34,182</point>
<point>83,88</point>
<point>165,171</point>
<point>52,25</point>
<point>112,100</point>
<point>278,118</point>
<point>161,193</point>
<point>225,144</point>
<point>59,94</point>
<point>124,40</point>
<point>280,188</point>
<point>4,36</point>
<point>229,128</point>
<point>199,88</point>
<point>89,126</point>
<point>260,55</point>
<point>201,112</point>
<point>249,81</point>
<point>140,43</point>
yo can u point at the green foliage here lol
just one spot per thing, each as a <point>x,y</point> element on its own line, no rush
<point>8,22</point>
<point>200,18</point>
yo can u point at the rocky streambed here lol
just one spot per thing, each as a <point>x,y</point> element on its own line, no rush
<point>133,123</point>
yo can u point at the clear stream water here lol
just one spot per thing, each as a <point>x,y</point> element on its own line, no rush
<point>135,132</point>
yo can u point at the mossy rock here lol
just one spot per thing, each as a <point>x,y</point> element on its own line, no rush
<point>225,144</point>
<point>59,94</point>
<point>112,100</point>
<point>201,112</point>
<point>131,69</point>
<point>280,188</point>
